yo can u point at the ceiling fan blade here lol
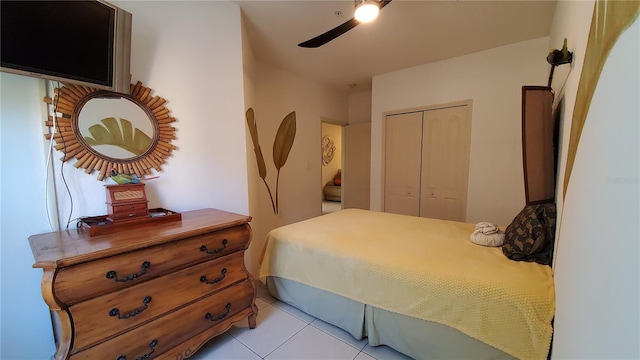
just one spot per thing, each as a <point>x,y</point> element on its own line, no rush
<point>335,32</point>
<point>384,3</point>
<point>330,35</point>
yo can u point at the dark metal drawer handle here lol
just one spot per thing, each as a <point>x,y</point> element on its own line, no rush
<point>145,305</point>
<point>113,275</point>
<point>208,316</point>
<point>203,278</point>
<point>215,251</point>
<point>152,344</point>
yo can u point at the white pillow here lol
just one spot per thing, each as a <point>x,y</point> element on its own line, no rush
<point>487,234</point>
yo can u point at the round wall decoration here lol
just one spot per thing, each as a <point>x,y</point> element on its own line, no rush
<point>328,148</point>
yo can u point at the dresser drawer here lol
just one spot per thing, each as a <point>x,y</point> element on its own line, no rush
<point>84,281</point>
<point>162,334</point>
<point>116,312</point>
<point>125,211</point>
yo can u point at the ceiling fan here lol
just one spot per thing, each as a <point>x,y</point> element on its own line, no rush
<point>366,10</point>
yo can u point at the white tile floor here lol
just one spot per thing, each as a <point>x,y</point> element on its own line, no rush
<point>330,206</point>
<point>284,332</point>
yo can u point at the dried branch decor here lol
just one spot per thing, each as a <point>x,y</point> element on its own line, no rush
<point>281,148</point>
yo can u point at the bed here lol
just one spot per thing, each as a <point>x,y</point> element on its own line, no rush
<point>417,285</point>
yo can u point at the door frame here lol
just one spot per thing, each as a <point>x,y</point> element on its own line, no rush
<point>385,114</point>
<point>342,125</point>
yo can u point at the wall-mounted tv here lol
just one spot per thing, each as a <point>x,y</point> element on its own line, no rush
<point>82,42</point>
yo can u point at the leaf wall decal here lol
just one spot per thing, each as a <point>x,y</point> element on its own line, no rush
<point>284,140</point>
<point>282,146</point>
<point>253,130</point>
<point>262,167</point>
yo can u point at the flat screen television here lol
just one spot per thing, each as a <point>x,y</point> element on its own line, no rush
<point>81,42</point>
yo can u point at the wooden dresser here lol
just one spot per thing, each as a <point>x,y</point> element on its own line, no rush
<point>152,291</point>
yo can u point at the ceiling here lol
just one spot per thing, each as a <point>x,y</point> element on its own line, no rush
<point>406,33</point>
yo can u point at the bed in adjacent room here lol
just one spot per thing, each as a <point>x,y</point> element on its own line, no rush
<point>418,285</point>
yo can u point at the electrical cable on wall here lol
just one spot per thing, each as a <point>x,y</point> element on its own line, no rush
<point>49,163</point>
<point>56,128</point>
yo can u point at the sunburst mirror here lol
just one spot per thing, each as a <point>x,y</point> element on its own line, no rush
<point>105,130</point>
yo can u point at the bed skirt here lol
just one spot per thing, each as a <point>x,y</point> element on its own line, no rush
<point>419,339</point>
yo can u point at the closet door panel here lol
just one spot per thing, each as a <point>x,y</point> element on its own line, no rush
<point>433,162</point>
<point>403,143</point>
<point>445,163</point>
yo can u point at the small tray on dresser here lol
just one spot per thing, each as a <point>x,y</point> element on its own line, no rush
<point>98,225</point>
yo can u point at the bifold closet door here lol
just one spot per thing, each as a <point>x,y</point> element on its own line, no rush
<point>403,144</point>
<point>446,135</point>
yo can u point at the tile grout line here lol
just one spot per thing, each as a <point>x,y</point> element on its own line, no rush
<point>243,344</point>
<point>291,337</point>
<point>354,358</point>
<point>306,325</point>
<point>317,328</point>
<point>335,337</point>
<point>284,342</point>
<point>311,323</point>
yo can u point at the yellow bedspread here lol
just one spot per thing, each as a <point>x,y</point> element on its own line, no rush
<point>423,268</point>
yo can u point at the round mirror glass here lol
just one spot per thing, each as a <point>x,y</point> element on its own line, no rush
<point>105,131</point>
<point>116,128</point>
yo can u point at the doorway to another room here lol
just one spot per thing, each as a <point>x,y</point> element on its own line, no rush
<point>331,168</point>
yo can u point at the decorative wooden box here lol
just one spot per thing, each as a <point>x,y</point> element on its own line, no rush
<point>126,202</point>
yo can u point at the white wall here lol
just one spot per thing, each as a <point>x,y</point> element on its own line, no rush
<point>190,53</point>
<point>197,66</point>
<point>276,93</point>
<point>597,276</point>
<point>25,326</point>
<point>493,79</point>
<point>572,20</point>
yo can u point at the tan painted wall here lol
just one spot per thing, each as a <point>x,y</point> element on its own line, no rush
<point>360,107</point>
<point>357,164</point>
<point>276,93</point>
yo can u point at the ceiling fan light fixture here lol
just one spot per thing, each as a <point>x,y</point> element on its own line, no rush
<point>366,10</point>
